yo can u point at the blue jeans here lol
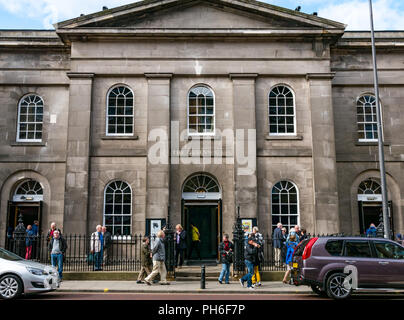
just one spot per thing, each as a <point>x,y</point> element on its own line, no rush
<point>248,276</point>
<point>98,256</point>
<point>57,260</point>
<point>225,272</point>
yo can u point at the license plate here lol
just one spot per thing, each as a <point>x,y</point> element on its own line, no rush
<point>295,265</point>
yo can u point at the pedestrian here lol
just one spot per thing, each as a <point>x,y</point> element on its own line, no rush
<point>159,256</point>
<point>52,229</point>
<point>35,242</point>
<point>294,231</point>
<point>372,231</point>
<point>35,228</point>
<point>277,238</point>
<point>291,245</point>
<point>284,249</point>
<point>303,235</point>
<point>145,260</point>
<point>107,245</point>
<point>10,234</point>
<point>180,245</point>
<point>250,256</point>
<point>57,248</point>
<point>29,238</point>
<point>226,258</point>
<point>259,239</point>
<point>196,239</point>
<point>97,246</point>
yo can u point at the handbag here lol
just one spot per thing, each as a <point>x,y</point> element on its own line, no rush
<point>90,258</point>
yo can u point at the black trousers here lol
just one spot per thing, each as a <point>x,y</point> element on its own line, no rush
<point>195,244</point>
<point>179,253</point>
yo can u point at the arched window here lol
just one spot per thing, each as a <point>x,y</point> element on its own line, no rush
<point>285,204</point>
<point>120,113</point>
<point>282,120</point>
<point>369,187</point>
<point>29,190</point>
<point>118,208</point>
<point>367,118</point>
<point>201,186</point>
<point>30,119</point>
<point>201,111</point>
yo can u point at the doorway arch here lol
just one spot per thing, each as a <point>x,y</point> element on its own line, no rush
<point>201,206</point>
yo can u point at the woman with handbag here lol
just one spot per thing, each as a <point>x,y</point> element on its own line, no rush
<point>226,258</point>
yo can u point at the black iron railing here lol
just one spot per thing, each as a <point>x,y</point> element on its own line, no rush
<point>123,253</point>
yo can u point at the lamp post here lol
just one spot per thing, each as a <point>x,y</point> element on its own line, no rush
<point>386,222</point>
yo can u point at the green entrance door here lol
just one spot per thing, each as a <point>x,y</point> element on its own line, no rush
<point>205,218</point>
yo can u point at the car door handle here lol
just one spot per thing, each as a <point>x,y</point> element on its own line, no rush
<point>383,263</point>
<point>350,261</point>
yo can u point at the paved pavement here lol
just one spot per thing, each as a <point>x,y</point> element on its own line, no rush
<point>179,287</point>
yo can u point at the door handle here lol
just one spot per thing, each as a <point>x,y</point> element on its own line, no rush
<point>384,263</point>
<point>350,261</point>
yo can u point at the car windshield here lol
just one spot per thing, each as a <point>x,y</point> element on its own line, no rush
<point>7,255</point>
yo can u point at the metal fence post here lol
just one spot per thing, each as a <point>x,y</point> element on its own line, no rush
<point>169,246</point>
<point>238,240</point>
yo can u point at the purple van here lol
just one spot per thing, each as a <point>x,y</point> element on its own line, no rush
<point>337,266</point>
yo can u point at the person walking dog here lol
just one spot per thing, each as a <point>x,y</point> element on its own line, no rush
<point>159,256</point>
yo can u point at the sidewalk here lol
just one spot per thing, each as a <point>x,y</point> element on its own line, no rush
<point>179,287</point>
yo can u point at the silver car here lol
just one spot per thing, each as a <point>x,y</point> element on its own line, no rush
<point>19,276</point>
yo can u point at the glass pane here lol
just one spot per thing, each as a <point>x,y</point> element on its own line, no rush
<point>126,230</point>
<point>275,209</point>
<point>118,209</point>
<point>117,219</point>
<point>108,209</point>
<point>358,249</point>
<point>284,209</point>
<point>126,219</point>
<point>126,209</point>
<point>293,220</point>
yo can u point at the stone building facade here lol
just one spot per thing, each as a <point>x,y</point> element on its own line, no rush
<point>82,106</point>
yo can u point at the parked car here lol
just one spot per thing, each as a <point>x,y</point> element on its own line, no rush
<point>327,264</point>
<point>19,276</point>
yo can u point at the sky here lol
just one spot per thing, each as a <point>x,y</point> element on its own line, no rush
<point>41,14</point>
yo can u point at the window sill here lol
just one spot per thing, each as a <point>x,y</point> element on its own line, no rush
<point>370,143</point>
<point>134,137</point>
<point>28,144</point>
<point>296,137</point>
<point>201,137</point>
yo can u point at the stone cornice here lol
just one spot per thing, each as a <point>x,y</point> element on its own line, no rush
<point>80,75</point>
<point>243,75</point>
<point>158,75</point>
<point>320,76</point>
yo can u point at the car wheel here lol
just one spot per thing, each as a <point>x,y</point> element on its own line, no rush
<point>317,290</point>
<point>10,287</point>
<point>335,287</point>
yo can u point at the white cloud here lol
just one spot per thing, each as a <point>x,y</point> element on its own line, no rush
<point>387,14</point>
<point>52,11</point>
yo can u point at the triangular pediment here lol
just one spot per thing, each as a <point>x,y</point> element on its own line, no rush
<point>199,14</point>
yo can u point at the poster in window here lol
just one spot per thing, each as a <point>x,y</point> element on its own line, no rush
<point>248,224</point>
<point>152,227</point>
